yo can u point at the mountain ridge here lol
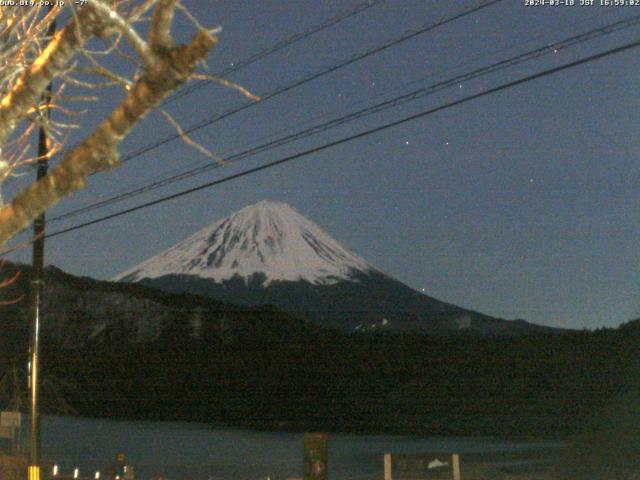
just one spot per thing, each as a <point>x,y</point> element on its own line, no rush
<point>258,368</point>
<point>268,253</point>
<point>80,311</point>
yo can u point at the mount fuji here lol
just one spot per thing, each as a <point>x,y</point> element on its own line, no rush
<point>268,238</point>
<point>268,253</point>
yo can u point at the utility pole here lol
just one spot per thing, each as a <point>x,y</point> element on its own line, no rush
<point>36,287</point>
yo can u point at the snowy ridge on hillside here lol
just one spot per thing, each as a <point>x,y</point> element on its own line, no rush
<point>269,237</point>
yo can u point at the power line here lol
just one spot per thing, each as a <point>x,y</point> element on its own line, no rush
<point>296,83</point>
<point>363,134</point>
<point>282,44</point>
<point>392,103</point>
<point>124,194</point>
<point>406,36</point>
<point>296,37</point>
<point>314,76</point>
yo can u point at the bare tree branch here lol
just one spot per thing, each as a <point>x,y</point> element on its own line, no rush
<point>33,82</point>
<point>165,67</point>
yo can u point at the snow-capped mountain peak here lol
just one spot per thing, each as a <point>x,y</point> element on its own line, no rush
<point>269,237</point>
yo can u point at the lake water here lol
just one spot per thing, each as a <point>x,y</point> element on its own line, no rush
<point>192,451</point>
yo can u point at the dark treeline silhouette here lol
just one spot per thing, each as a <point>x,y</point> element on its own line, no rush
<point>273,372</point>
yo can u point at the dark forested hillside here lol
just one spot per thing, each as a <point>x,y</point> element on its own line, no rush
<point>263,377</point>
<point>126,351</point>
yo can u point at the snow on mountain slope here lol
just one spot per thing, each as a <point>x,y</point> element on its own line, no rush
<point>270,238</point>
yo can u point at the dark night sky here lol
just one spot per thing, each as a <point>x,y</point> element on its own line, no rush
<point>522,204</point>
